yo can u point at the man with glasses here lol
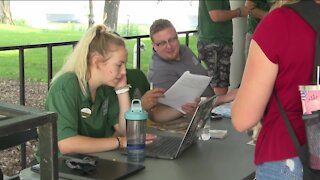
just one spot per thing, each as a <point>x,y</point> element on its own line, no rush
<point>170,59</point>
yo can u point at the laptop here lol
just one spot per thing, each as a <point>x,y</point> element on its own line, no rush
<point>104,169</point>
<point>170,146</point>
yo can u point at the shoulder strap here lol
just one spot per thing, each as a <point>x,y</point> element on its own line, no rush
<point>288,124</point>
<point>310,11</point>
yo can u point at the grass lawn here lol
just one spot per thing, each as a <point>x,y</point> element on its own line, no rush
<point>36,59</point>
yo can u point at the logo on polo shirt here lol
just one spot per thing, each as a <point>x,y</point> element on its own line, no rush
<point>85,112</point>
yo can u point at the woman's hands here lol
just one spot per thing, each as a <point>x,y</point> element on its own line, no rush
<point>150,138</point>
<point>122,82</point>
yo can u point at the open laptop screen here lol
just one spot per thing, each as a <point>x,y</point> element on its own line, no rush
<point>201,115</point>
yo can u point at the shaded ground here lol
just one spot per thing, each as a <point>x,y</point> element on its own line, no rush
<point>36,92</point>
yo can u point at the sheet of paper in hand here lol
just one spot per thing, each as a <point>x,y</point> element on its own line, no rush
<point>185,89</point>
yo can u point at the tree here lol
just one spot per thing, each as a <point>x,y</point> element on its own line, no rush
<point>91,16</point>
<point>5,12</point>
<point>110,13</point>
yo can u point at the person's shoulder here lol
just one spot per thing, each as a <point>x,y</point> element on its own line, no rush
<point>154,56</point>
<point>133,74</point>
<point>281,11</point>
<point>282,16</point>
<point>277,17</point>
<point>186,52</point>
<point>157,62</point>
<point>65,81</point>
<point>185,49</point>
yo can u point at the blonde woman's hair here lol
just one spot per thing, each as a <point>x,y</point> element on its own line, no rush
<point>97,40</point>
<point>280,3</point>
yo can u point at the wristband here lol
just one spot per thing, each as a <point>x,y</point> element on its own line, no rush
<point>123,89</point>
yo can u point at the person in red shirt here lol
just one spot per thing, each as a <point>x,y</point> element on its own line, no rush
<point>281,57</point>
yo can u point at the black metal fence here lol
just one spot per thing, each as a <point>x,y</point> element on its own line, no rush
<point>49,47</point>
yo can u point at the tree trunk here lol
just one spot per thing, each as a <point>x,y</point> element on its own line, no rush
<point>91,15</point>
<point>111,8</point>
<point>5,12</point>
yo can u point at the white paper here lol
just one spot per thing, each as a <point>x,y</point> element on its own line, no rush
<point>185,89</point>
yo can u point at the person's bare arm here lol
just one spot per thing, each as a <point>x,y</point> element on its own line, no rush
<point>163,113</point>
<point>257,13</point>
<point>255,90</point>
<point>254,11</point>
<point>124,103</point>
<point>225,15</point>
<point>85,144</point>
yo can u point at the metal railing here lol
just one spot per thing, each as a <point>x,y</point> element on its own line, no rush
<point>49,47</point>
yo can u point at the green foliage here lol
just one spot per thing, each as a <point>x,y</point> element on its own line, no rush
<point>36,59</point>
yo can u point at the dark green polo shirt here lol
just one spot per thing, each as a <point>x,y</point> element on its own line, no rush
<point>65,98</point>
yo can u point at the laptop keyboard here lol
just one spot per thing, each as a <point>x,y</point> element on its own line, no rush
<point>165,145</point>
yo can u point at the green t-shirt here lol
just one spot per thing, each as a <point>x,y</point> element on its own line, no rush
<point>65,98</point>
<point>214,32</point>
<point>252,22</point>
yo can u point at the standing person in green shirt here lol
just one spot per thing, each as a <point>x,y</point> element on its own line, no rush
<point>90,95</point>
<point>257,10</point>
<point>215,33</point>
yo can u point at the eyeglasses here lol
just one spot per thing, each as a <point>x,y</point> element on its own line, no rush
<point>169,41</point>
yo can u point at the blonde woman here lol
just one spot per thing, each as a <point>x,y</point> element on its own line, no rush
<point>90,119</point>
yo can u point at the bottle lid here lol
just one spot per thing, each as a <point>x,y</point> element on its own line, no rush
<point>136,112</point>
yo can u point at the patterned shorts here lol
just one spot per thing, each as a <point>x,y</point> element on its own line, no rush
<point>217,59</point>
